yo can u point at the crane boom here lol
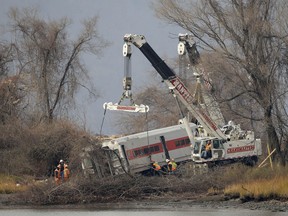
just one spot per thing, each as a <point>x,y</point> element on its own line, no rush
<point>175,84</point>
<point>187,46</point>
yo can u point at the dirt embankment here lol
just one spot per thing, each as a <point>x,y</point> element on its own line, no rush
<point>9,201</point>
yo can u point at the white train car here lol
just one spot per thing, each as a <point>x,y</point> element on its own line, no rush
<point>134,153</point>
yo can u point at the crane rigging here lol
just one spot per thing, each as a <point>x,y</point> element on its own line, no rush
<point>187,46</point>
<point>127,87</point>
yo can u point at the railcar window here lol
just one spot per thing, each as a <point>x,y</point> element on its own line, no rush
<point>156,148</point>
<point>137,152</point>
<point>182,142</point>
<point>197,147</point>
<point>87,163</point>
<point>146,150</point>
<point>216,144</point>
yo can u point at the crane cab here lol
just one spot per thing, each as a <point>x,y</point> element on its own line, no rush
<point>202,153</point>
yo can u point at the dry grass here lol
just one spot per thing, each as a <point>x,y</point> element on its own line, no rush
<point>260,184</point>
<point>10,184</point>
<point>260,189</point>
<point>235,181</point>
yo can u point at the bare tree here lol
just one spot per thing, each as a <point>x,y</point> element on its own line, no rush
<point>10,96</point>
<point>251,38</point>
<point>6,57</point>
<point>50,61</point>
<point>9,91</point>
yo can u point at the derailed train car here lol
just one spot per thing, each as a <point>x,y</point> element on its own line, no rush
<point>134,153</point>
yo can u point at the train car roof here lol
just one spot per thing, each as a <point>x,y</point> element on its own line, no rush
<point>159,131</point>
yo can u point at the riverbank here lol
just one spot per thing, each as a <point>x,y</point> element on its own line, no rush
<point>10,201</point>
<point>213,190</point>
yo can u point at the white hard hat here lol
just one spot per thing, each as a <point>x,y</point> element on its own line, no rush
<point>61,161</point>
<point>167,160</point>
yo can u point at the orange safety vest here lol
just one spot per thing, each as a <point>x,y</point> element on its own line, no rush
<point>66,173</point>
<point>57,176</point>
<point>208,147</point>
<point>156,166</point>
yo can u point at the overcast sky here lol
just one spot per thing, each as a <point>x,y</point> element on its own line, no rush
<point>116,18</point>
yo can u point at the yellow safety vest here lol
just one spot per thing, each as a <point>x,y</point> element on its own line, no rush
<point>174,166</point>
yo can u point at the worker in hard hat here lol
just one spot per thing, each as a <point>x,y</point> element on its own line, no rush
<point>208,149</point>
<point>207,153</point>
<point>171,166</point>
<point>156,168</point>
<point>61,167</point>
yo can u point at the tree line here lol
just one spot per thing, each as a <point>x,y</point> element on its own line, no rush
<point>41,71</point>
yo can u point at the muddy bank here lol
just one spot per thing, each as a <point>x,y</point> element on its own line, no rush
<point>220,202</point>
<point>9,201</point>
<point>141,192</point>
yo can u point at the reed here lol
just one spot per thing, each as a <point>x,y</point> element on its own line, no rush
<point>260,184</point>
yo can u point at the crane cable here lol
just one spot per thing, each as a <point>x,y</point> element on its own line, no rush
<point>147,130</point>
<point>103,120</point>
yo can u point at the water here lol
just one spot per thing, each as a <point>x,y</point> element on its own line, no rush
<point>138,212</point>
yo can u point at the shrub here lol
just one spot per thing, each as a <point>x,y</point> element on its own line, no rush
<point>37,150</point>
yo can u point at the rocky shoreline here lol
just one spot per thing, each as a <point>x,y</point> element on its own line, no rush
<point>8,201</point>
